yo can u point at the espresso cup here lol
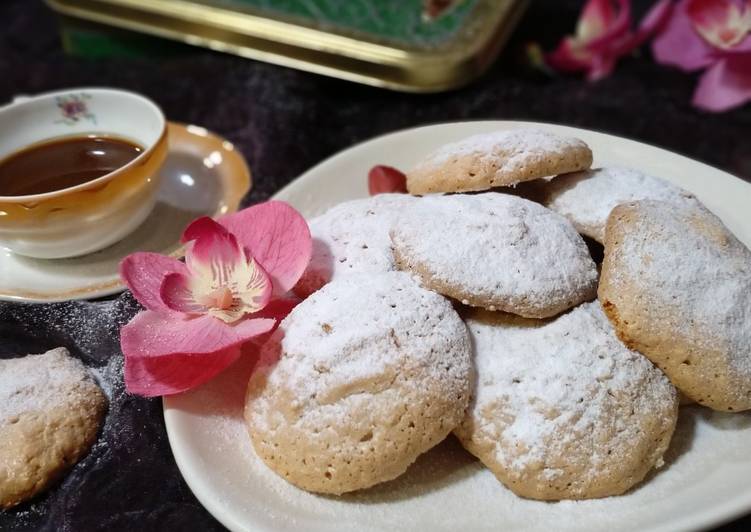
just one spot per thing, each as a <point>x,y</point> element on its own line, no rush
<point>93,215</point>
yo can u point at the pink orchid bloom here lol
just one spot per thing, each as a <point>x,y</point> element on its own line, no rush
<point>200,313</point>
<point>604,35</point>
<point>714,35</point>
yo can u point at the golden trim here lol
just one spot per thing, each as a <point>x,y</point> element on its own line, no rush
<point>76,293</point>
<point>237,166</point>
<point>287,44</point>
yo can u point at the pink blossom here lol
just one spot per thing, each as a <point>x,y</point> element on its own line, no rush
<point>385,179</point>
<point>714,36</point>
<point>230,290</point>
<point>603,35</point>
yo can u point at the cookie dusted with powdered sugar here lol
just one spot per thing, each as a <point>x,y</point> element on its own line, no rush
<point>50,413</point>
<point>561,409</point>
<point>676,283</point>
<point>501,158</point>
<point>358,381</point>
<point>352,237</point>
<point>586,198</point>
<point>495,251</point>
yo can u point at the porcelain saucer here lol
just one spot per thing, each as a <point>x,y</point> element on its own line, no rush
<point>203,175</point>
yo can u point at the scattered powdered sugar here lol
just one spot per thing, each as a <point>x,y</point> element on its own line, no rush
<point>496,250</point>
<point>37,383</point>
<point>508,147</point>
<point>353,237</point>
<point>564,401</point>
<point>90,329</point>
<point>586,198</point>
<point>110,377</point>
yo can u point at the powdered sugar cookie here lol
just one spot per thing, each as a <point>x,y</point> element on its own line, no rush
<point>677,286</point>
<point>352,237</point>
<point>501,158</point>
<point>561,409</point>
<point>586,198</point>
<point>50,412</point>
<point>496,251</point>
<point>360,379</point>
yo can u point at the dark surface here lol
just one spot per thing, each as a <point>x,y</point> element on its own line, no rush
<point>285,121</point>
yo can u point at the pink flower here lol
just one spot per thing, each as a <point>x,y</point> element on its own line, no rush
<point>714,36</point>
<point>200,313</point>
<point>385,179</point>
<point>603,35</point>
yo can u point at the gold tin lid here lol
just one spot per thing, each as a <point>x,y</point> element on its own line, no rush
<point>386,44</point>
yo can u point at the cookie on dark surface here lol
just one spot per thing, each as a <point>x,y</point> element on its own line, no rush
<point>50,412</point>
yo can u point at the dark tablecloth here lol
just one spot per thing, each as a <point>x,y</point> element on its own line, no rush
<point>285,121</point>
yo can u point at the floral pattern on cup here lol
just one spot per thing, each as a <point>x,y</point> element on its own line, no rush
<point>73,109</point>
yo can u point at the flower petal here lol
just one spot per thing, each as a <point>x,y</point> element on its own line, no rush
<point>616,29</point>
<point>220,271</point>
<point>175,292</point>
<point>277,309</point>
<point>679,45</point>
<point>722,23</point>
<point>278,238</point>
<point>742,47</point>
<point>164,355</point>
<point>213,249</point>
<point>143,274</point>
<point>152,334</point>
<point>384,179</point>
<point>602,37</point>
<point>171,374</point>
<point>568,58</point>
<point>601,67</point>
<point>596,17</point>
<point>725,85</point>
<point>653,21</point>
<point>252,286</point>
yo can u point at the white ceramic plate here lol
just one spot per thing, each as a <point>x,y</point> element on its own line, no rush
<point>705,481</point>
<point>203,175</point>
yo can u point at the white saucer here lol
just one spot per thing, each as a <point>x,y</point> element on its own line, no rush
<point>203,175</point>
<point>705,481</point>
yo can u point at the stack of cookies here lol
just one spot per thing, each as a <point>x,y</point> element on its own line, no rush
<point>467,308</point>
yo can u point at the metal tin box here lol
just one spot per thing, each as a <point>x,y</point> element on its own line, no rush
<point>386,43</point>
